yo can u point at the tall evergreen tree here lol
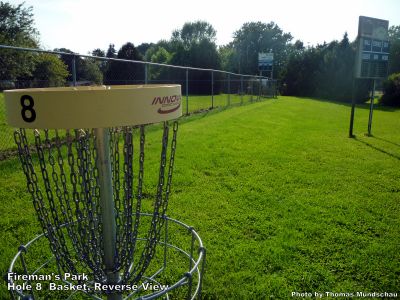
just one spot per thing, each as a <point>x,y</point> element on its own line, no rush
<point>111,52</point>
<point>125,72</point>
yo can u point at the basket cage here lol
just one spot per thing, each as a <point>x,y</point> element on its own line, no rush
<point>62,170</point>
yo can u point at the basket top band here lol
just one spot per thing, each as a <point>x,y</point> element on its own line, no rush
<point>92,107</point>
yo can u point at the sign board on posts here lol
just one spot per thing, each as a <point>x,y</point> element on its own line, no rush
<point>372,49</point>
<point>265,61</point>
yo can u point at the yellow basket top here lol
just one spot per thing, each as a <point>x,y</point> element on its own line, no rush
<point>92,106</point>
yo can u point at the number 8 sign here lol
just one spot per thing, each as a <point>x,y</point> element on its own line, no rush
<point>28,107</point>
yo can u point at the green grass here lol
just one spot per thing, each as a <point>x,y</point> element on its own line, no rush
<point>196,103</point>
<point>283,200</point>
<point>6,133</point>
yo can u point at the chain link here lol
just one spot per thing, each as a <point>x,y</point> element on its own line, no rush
<point>125,238</point>
<point>53,232</point>
<point>133,234</point>
<point>55,213</point>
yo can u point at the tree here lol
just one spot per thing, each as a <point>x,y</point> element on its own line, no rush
<point>158,55</point>
<point>324,71</point>
<point>142,48</point>
<point>98,52</point>
<point>124,72</point>
<point>68,61</point>
<point>194,32</point>
<point>394,56</point>
<point>128,51</point>
<point>194,45</point>
<point>107,71</point>
<point>391,95</point>
<point>229,58</point>
<point>161,56</point>
<point>335,73</point>
<point>111,52</point>
<point>154,48</point>
<point>301,71</point>
<point>102,64</point>
<point>16,29</point>
<point>16,25</point>
<point>255,37</point>
<point>86,69</point>
<point>204,55</point>
<point>163,52</point>
<point>49,71</point>
<point>91,71</point>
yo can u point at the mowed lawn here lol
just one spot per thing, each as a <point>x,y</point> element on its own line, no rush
<point>283,200</point>
<point>189,105</point>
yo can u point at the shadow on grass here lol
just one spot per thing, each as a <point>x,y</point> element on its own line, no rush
<point>390,142</point>
<point>385,108</point>
<point>377,148</point>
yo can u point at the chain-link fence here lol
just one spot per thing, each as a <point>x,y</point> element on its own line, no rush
<point>202,89</point>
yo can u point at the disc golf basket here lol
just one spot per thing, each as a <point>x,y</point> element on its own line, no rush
<point>105,228</point>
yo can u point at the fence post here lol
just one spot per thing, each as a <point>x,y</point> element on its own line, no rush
<point>251,92</point>
<point>371,108</point>
<point>241,89</point>
<point>212,89</point>
<point>74,70</point>
<point>229,89</point>
<point>187,91</point>
<point>260,89</point>
<point>146,73</point>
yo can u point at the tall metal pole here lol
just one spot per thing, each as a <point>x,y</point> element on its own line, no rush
<point>212,89</point>
<point>187,91</point>
<point>353,107</point>
<point>107,206</point>
<point>371,108</point>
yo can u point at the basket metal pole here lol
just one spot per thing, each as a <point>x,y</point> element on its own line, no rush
<point>107,206</point>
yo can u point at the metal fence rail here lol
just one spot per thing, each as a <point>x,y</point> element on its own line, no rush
<point>202,88</point>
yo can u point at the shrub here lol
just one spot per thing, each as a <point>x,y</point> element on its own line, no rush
<point>391,90</point>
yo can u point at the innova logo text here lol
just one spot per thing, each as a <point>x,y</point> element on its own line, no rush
<point>168,104</point>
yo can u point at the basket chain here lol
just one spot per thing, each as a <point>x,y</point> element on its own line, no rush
<point>75,205</point>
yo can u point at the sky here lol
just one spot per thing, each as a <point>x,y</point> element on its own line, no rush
<point>84,25</point>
